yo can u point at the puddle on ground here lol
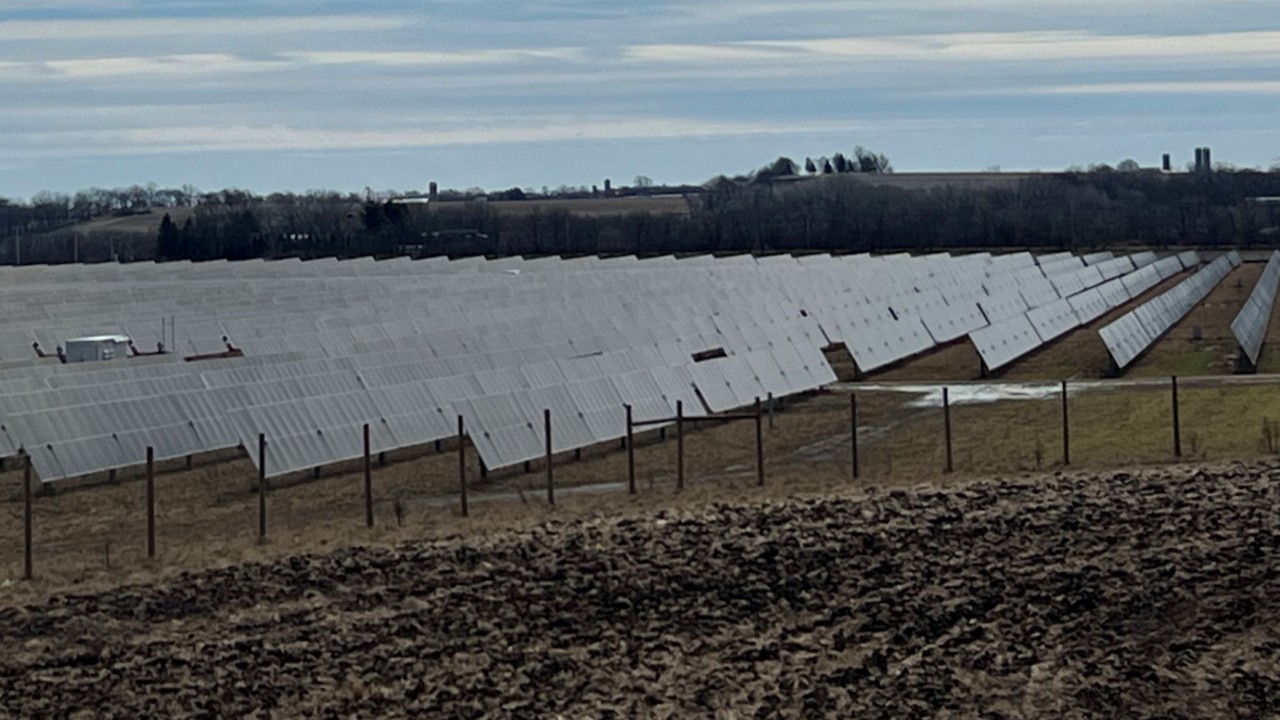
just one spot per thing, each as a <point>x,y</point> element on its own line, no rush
<point>930,396</point>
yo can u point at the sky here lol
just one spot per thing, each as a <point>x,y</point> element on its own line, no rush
<point>271,95</point>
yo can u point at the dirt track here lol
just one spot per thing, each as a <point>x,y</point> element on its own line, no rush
<point>1124,596</point>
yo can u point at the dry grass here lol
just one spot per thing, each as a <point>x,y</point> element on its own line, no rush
<point>588,207</point>
<point>148,224</point>
<point>208,515</point>
<point>1108,428</point>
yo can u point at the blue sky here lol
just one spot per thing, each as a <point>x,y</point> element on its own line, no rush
<point>272,95</point>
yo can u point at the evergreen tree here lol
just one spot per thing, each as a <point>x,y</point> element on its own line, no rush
<point>169,245</point>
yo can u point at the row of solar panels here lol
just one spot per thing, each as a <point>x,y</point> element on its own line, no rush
<point>777,361</point>
<point>1132,333</point>
<point>314,430</point>
<point>996,315</point>
<point>193,306</point>
<point>275,337</point>
<point>159,292</point>
<point>1019,334</point>
<point>1250,325</point>
<point>773,346</point>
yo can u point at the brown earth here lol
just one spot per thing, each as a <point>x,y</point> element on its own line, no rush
<point>1149,595</point>
<point>146,224</point>
<point>592,207</point>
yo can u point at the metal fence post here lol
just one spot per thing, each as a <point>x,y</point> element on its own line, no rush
<point>462,466</point>
<point>151,502</point>
<point>262,487</point>
<point>28,571</point>
<point>946,419</point>
<point>1177,425</point>
<point>853,424</point>
<point>1066,428</point>
<point>631,453</point>
<point>759,444</point>
<point>679,445</point>
<point>551,482</point>
<point>368,481</point>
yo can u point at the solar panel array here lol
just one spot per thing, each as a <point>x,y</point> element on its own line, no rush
<point>1080,293</point>
<point>407,346</point>
<point>1250,326</point>
<point>1131,334</point>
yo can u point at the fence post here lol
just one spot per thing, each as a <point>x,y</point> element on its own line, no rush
<point>151,502</point>
<point>679,445</point>
<point>759,444</point>
<point>28,571</point>
<point>946,419</point>
<point>462,466</point>
<point>631,454</point>
<point>551,482</point>
<point>1066,428</point>
<point>368,481</point>
<point>1177,426</point>
<point>853,424</point>
<point>262,487</point>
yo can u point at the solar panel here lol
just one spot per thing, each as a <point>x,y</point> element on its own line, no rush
<point>886,343</point>
<point>1004,306</point>
<point>1130,335</point>
<point>1006,341</point>
<point>1053,320</point>
<point>1250,325</point>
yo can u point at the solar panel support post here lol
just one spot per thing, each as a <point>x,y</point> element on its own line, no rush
<point>151,503</point>
<point>27,569</point>
<point>946,424</point>
<point>853,435</point>
<point>759,444</point>
<point>1177,426</point>
<point>631,454</point>
<point>1066,428</point>
<point>462,466</point>
<point>368,480</point>
<point>770,411</point>
<point>262,488</point>
<point>551,480</point>
<point>679,445</point>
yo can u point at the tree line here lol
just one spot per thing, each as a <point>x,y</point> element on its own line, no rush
<point>776,208</point>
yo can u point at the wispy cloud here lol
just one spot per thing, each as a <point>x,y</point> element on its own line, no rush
<point>408,58</point>
<point>1180,87</point>
<point>1016,46</point>
<point>207,138</point>
<point>170,27</point>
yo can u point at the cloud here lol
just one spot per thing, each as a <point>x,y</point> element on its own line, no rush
<point>1175,87</point>
<point>206,138</point>
<point>410,58</point>
<point>1015,46</point>
<point>44,30</point>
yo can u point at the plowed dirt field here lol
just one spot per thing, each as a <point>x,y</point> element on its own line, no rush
<point>1125,595</point>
